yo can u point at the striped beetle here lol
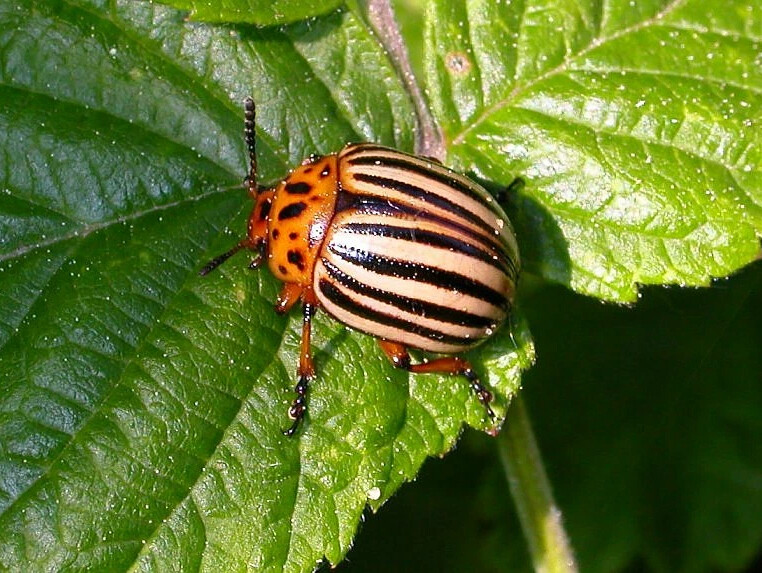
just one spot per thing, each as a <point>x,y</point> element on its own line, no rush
<point>391,244</point>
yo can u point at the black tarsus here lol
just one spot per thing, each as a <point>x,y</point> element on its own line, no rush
<point>298,407</point>
<point>484,395</point>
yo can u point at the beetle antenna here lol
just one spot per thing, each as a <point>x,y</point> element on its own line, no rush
<point>509,192</point>
<point>249,130</point>
<point>219,259</point>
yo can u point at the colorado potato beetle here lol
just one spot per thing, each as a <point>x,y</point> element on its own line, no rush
<point>391,244</point>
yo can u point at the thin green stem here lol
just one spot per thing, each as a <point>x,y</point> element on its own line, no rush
<point>539,515</point>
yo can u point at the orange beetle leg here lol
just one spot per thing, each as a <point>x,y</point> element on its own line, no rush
<point>306,370</point>
<point>289,295</point>
<point>454,365</point>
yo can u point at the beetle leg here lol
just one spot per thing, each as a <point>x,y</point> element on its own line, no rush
<point>306,370</point>
<point>454,365</point>
<point>510,192</point>
<point>257,260</point>
<point>289,295</point>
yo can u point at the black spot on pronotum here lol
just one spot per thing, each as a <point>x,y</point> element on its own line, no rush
<point>275,233</point>
<point>283,270</point>
<point>292,210</point>
<point>293,235</point>
<point>296,258</point>
<point>326,171</point>
<point>265,210</point>
<point>298,188</point>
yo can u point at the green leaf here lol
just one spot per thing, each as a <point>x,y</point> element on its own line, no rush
<point>275,12</point>
<point>636,125</point>
<point>142,405</point>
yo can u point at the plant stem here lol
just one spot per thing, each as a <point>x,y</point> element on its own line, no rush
<point>381,17</point>
<point>540,518</point>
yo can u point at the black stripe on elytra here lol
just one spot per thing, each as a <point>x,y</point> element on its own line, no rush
<point>417,272</point>
<point>428,238</point>
<point>435,171</point>
<point>375,205</point>
<point>298,188</point>
<point>292,210</point>
<point>340,299</point>
<point>413,306</point>
<point>423,194</point>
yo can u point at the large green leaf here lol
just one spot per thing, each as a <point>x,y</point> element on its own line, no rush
<point>141,405</point>
<point>637,125</point>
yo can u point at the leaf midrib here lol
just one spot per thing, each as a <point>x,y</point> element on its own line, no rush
<point>84,231</point>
